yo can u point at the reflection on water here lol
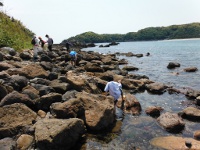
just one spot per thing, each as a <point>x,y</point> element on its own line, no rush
<point>136,131</point>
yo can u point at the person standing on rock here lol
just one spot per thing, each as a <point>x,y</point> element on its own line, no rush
<point>41,42</point>
<point>49,41</point>
<point>73,57</point>
<point>35,43</point>
<point>115,90</point>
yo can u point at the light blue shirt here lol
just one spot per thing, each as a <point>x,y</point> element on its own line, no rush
<point>114,89</point>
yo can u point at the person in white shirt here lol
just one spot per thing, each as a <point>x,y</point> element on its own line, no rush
<point>115,89</point>
<point>35,43</point>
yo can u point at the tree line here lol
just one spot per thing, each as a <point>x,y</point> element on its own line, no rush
<point>184,31</point>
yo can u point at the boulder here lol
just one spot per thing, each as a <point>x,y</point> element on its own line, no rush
<point>16,97</point>
<point>191,113</point>
<point>93,67</point>
<point>60,87</point>
<point>72,108</point>
<point>45,101</point>
<point>197,135</point>
<point>192,93</point>
<point>68,95</point>
<point>198,100</point>
<point>173,65</point>
<point>33,71</point>
<point>3,92</point>
<point>191,69</point>
<point>7,144</point>
<point>82,82</point>
<point>133,84</point>
<point>1,56</point>
<point>25,55</point>
<point>4,74</point>
<point>156,88</point>
<point>5,66</point>
<point>43,89</point>
<point>46,65</point>
<point>175,143</point>
<point>24,142</point>
<point>153,111</point>
<point>31,92</point>
<point>99,110</point>
<point>171,122</point>
<point>132,105</point>
<point>130,68</point>
<point>14,118</point>
<point>54,134</point>
<point>20,80</point>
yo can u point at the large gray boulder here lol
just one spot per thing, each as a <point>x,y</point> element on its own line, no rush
<point>60,134</point>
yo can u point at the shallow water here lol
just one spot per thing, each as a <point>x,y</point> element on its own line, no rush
<point>137,131</point>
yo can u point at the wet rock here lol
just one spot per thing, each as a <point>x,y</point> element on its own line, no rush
<point>45,101</point>
<point>72,108</point>
<point>192,93</point>
<point>58,133</point>
<point>171,122</point>
<point>123,62</point>
<point>25,141</point>
<point>132,84</point>
<point>129,54</point>
<point>132,105</point>
<point>198,100</point>
<point>173,65</point>
<point>7,144</point>
<point>16,97</point>
<point>154,111</point>
<point>191,113</point>
<point>130,68</point>
<point>190,69</point>
<point>175,143</point>
<point>156,88</point>
<point>139,55</point>
<point>197,135</point>
<point>14,118</point>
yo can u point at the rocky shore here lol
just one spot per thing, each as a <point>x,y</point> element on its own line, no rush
<point>49,104</point>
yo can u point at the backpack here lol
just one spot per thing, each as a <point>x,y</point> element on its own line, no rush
<point>33,41</point>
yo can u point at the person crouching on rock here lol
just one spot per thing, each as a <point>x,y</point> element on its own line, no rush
<point>73,57</point>
<point>115,89</point>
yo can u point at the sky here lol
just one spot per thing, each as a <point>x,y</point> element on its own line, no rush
<point>62,19</point>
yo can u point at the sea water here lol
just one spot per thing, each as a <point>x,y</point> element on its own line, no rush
<point>137,131</point>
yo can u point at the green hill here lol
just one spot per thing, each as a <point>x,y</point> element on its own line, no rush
<point>13,33</point>
<point>152,33</point>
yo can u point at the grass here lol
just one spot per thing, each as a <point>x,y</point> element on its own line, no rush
<point>14,34</point>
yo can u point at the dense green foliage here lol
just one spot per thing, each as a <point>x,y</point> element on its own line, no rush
<point>152,33</point>
<point>13,33</point>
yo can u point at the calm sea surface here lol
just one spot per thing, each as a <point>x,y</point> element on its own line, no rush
<point>137,131</point>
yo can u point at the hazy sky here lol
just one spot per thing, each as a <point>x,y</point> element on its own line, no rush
<point>62,19</point>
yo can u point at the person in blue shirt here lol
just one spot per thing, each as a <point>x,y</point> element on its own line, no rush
<point>73,56</point>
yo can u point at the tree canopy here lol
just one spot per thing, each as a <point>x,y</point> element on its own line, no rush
<point>191,30</point>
